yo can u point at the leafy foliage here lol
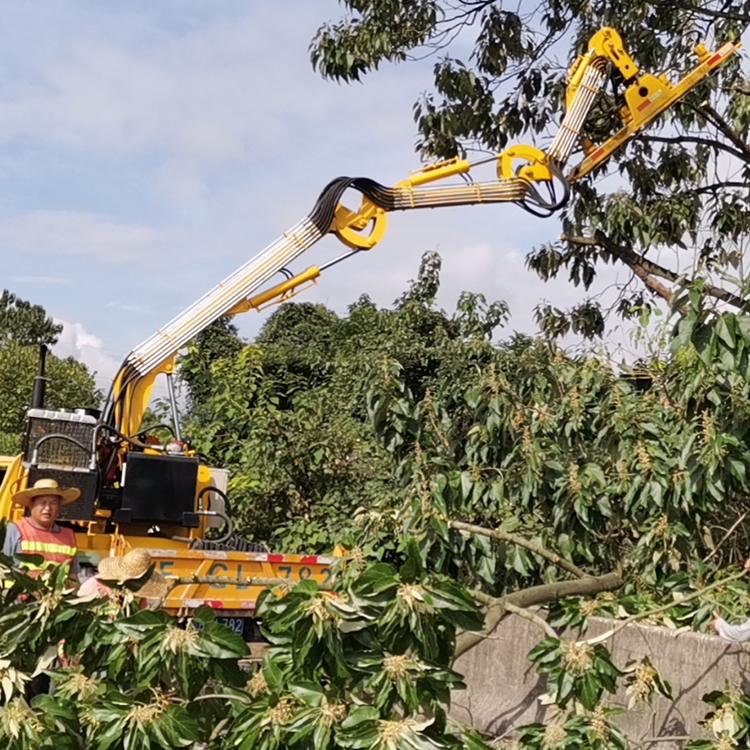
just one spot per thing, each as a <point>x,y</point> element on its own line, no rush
<point>366,664</point>
<point>564,662</point>
<point>69,384</point>
<point>609,469</point>
<point>728,720</point>
<point>288,414</point>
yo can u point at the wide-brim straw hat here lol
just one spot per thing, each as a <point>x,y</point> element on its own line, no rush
<point>46,487</point>
<point>132,566</point>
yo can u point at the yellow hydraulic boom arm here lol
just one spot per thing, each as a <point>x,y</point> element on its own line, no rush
<point>531,184</point>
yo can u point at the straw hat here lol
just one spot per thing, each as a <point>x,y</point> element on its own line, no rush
<point>46,487</point>
<point>130,567</point>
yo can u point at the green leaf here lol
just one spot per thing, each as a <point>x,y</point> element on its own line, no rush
<point>309,693</point>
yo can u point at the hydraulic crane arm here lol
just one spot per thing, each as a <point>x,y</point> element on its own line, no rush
<point>532,185</point>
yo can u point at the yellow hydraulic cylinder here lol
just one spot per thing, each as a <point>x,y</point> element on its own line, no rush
<point>277,293</point>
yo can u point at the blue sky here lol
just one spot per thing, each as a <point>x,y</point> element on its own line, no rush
<point>149,149</point>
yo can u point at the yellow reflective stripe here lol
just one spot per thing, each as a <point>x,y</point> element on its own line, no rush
<point>55,549</point>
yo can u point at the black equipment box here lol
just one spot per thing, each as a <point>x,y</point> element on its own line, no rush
<point>159,489</point>
<point>59,445</point>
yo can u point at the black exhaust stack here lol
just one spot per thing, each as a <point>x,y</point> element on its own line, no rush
<point>40,381</point>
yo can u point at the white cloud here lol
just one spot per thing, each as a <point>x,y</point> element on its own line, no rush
<point>75,341</point>
<point>76,233</point>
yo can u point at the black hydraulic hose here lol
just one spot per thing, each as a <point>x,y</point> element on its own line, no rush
<point>548,207</point>
<point>57,436</point>
<point>110,402</point>
<point>224,496</point>
<point>151,427</point>
<point>134,443</point>
<point>228,525</point>
<point>387,198</point>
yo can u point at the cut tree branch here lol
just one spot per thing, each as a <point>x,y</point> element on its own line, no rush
<point>663,608</point>
<point>527,614</point>
<point>548,592</point>
<point>519,541</point>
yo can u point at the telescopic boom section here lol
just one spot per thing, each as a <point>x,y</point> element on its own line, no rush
<point>645,97</point>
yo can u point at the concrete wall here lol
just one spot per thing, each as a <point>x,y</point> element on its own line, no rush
<point>503,688</point>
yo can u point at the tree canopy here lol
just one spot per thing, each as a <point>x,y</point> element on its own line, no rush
<point>25,323</point>
<point>416,440</point>
<point>677,189</point>
<point>334,426</point>
<point>23,328</point>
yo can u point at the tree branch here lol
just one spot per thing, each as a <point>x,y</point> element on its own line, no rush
<point>527,614</point>
<point>726,536</point>
<point>552,592</point>
<point>709,12</point>
<point>726,128</point>
<point>519,541</point>
<point>632,259</point>
<point>663,608</point>
<point>678,139</point>
<point>223,697</point>
<point>548,592</point>
<point>635,262</point>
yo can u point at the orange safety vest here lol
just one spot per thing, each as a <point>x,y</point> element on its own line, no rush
<point>57,548</point>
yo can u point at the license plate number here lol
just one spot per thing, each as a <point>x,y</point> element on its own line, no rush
<point>234,623</point>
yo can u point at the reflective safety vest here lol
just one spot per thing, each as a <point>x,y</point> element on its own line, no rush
<point>57,548</point>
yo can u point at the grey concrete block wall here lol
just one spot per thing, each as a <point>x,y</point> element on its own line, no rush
<point>503,688</point>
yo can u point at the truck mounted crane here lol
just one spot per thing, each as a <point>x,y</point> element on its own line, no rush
<point>138,493</point>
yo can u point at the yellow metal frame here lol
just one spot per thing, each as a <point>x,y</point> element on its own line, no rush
<point>132,393</point>
<point>647,98</point>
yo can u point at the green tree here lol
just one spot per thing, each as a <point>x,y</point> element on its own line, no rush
<point>23,327</point>
<point>24,323</point>
<point>498,80</point>
<point>505,476</point>
<point>70,384</point>
<point>220,340</point>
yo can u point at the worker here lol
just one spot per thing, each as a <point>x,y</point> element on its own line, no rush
<point>732,633</point>
<point>37,533</point>
<point>129,567</point>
